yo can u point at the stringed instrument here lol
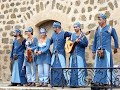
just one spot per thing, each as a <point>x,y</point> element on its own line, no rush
<point>29,54</point>
<point>70,45</point>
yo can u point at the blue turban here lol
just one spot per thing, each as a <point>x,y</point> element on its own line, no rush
<point>103,16</point>
<point>77,24</point>
<point>57,25</point>
<point>29,29</point>
<point>18,31</point>
<point>43,31</point>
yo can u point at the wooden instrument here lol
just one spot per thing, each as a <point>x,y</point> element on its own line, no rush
<point>29,54</point>
<point>70,45</point>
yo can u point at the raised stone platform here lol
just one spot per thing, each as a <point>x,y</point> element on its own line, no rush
<point>4,86</point>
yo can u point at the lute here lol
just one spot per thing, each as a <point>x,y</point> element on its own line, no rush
<point>70,45</point>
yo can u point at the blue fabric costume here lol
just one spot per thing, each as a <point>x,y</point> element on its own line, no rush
<point>58,57</point>
<point>18,73</point>
<point>31,67</point>
<point>77,60</point>
<point>102,39</point>
<point>43,59</point>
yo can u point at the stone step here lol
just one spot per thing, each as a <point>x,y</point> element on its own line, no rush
<point>4,86</point>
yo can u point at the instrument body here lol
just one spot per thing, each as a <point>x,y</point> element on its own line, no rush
<point>29,56</point>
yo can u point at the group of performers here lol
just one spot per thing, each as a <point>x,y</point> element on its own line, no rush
<point>24,71</point>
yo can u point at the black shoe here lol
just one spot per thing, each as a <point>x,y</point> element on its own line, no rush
<point>40,85</point>
<point>45,85</point>
<point>32,85</point>
<point>19,84</point>
<point>29,83</point>
<point>13,84</point>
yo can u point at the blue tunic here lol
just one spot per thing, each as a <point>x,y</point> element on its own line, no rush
<point>18,73</point>
<point>31,67</point>
<point>102,39</point>
<point>58,58</point>
<point>45,57</point>
<point>33,46</point>
<point>77,60</point>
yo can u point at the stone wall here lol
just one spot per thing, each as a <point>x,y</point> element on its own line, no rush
<point>41,13</point>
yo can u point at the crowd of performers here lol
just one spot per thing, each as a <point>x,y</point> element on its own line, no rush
<point>24,72</point>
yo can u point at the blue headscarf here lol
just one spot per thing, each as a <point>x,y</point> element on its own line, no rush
<point>57,25</point>
<point>77,24</point>
<point>29,29</point>
<point>18,31</point>
<point>103,16</point>
<point>43,31</point>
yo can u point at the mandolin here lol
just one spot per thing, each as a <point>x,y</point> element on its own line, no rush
<point>29,54</point>
<point>70,45</point>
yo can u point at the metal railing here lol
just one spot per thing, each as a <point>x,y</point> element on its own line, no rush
<point>107,78</point>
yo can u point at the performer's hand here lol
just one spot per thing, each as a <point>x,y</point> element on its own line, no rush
<point>93,56</point>
<point>36,52</point>
<point>11,61</point>
<point>115,51</point>
<point>77,40</point>
<point>25,54</point>
<point>39,52</point>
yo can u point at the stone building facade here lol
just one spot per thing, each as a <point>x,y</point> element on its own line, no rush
<point>42,13</point>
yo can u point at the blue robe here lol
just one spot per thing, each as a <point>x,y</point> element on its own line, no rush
<point>31,67</point>
<point>45,57</point>
<point>58,77</point>
<point>18,73</point>
<point>77,77</point>
<point>102,39</point>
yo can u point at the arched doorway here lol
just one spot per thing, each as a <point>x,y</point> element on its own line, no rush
<point>46,21</point>
<point>48,26</point>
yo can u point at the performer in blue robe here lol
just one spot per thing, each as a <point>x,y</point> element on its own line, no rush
<point>102,41</point>
<point>31,44</point>
<point>17,59</point>
<point>77,58</point>
<point>43,58</point>
<point>58,77</point>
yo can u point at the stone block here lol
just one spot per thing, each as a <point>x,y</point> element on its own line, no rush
<point>23,9</point>
<point>37,8</point>
<point>4,34</point>
<point>8,27</point>
<point>75,11</point>
<point>1,16</point>
<point>90,26</point>
<point>91,2</point>
<point>11,22</point>
<point>5,40</point>
<point>83,18</point>
<point>111,5</point>
<point>77,3</point>
<point>53,4</point>
<point>68,10</point>
<point>103,9</point>
<point>89,9</point>
<point>83,10</point>
<point>13,16</point>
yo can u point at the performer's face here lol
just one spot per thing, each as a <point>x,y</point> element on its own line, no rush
<point>56,30</point>
<point>43,36</point>
<point>76,28</point>
<point>28,33</point>
<point>101,21</point>
<point>15,34</point>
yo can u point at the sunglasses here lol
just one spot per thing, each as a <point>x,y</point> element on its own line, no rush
<point>75,27</point>
<point>100,19</point>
